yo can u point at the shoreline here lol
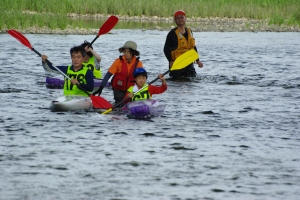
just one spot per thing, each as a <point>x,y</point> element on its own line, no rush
<point>196,24</point>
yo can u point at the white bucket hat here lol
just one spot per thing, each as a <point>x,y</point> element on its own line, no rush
<point>130,45</point>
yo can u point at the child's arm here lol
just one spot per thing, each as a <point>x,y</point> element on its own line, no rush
<point>95,54</point>
<point>158,89</point>
<point>128,95</point>
<point>163,80</point>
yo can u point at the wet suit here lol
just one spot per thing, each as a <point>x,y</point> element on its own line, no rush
<point>171,44</point>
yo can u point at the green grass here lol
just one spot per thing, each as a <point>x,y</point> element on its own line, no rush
<point>29,13</point>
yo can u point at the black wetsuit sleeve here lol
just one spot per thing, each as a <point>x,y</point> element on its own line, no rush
<point>171,44</point>
<point>105,79</point>
<point>89,77</point>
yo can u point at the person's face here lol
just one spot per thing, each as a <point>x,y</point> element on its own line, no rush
<point>140,80</point>
<point>127,53</point>
<point>77,59</point>
<point>180,20</point>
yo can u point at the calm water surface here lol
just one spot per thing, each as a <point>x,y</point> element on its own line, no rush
<point>230,133</point>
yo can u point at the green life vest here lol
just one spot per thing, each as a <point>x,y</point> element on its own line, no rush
<point>69,88</point>
<point>141,95</point>
<point>91,65</point>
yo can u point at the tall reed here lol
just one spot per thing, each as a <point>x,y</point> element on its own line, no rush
<point>25,13</point>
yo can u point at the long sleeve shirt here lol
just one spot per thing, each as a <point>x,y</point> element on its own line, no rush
<point>171,43</point>
<point>89,86</point>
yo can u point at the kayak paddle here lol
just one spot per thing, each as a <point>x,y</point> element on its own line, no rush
<point>106,27</point>
<point>181,62</point>
<point>98,102</point>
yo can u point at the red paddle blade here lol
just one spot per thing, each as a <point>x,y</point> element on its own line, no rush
<point>108,25</point>
<point>100,103</point>
<point>20,37</point>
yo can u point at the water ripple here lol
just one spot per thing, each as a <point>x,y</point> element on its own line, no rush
<point>232,132</point>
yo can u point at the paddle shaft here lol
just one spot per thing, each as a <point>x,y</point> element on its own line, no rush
<point>65,75</point>
<point>93,40</point>
<point>158,78</point>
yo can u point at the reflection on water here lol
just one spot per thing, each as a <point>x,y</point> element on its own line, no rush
<point>125,24</point>
<point>230,133</point>
<point>122,24</point>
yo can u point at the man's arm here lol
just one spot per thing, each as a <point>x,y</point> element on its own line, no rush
<point>89,77</point>
<point>170,44</point>
<point>200,64</point>
<point>49,67</point>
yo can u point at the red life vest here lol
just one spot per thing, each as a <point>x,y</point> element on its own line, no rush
<point>122,80</point>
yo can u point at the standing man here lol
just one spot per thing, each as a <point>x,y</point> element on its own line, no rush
<point>179,40</point>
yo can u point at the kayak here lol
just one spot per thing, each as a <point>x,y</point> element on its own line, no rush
<point>144,109</point>
<point>71,103</point>
<point>58,82</point>
<point>141,109</point>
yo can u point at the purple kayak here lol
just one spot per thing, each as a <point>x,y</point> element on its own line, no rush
<point>144,109</point>
<point>58,82</point>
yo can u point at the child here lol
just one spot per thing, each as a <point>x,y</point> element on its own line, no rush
<point>92,60</point>
<point>140,76</point>
<point>122,70</point>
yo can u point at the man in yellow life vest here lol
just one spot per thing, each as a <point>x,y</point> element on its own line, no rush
<point>92,59</point>
<point>140,76</point>
<point>77,72</point>
<point>179,40</point>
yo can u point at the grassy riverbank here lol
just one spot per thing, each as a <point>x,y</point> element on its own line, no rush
<point>22,14</point>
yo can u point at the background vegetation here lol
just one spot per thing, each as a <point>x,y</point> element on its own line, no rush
<point>53,14</point>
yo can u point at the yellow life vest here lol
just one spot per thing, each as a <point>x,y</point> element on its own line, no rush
<point>141,95</point>
<point>91,65</point>
<point>69,88</point>
<point>183,44</point>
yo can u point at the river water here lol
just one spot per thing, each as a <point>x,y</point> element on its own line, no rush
<point>230,133</point>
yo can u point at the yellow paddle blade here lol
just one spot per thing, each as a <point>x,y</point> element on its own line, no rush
<point>185,59</point>
<point>107,111</point>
